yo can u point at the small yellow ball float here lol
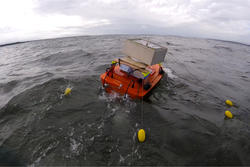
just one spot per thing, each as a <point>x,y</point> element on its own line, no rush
<point>67,91</point>
<point>229,102</point>
<point>141,135</point>
<point>228,114</point>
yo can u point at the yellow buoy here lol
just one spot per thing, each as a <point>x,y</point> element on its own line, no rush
<point>229,102</point>
<point>141,135</point>
<point>228,114</point>
<point>67,91</point>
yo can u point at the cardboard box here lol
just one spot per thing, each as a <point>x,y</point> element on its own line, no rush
<point>144,51</point>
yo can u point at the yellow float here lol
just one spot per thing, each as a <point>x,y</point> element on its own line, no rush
<point>141,135</point>
<point>229,102</point>
<point>67,91</point>
<point>228,114</point>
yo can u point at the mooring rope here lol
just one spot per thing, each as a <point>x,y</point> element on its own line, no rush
<point>142,105</point>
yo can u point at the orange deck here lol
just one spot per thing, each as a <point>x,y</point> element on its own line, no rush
<point>120,82</point>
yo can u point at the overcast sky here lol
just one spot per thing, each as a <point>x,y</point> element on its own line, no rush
<point>38,19</point>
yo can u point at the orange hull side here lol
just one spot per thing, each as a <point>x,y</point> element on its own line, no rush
<point>121,83</point>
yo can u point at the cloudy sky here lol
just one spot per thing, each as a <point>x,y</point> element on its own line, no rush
<point>38,19</point>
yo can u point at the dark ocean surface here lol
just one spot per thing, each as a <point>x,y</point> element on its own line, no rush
<point>183,117</point>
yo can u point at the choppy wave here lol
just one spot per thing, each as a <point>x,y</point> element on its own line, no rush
<point>183,117</point>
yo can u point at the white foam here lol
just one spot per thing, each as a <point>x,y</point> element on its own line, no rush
<point>169,73</point>
<point>75,146</point>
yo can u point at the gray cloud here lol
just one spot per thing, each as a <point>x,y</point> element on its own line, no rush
<point>224,19</point>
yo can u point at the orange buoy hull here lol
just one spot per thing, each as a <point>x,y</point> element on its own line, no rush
<point>121,82</point>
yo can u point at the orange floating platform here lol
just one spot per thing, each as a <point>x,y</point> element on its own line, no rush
<point>138,72</point>
<point>124,83</point>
